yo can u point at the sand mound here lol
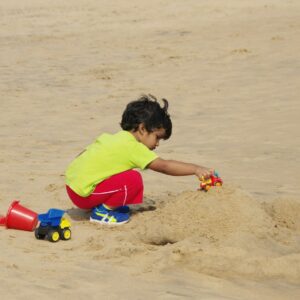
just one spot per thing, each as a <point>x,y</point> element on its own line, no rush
<point>285,212</point>
<point>224,231</point>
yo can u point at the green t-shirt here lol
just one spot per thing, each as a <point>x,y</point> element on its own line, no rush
<point>110,154</point>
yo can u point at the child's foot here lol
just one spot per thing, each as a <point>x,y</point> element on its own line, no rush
<point>122,209</point>
<point>102,215</point>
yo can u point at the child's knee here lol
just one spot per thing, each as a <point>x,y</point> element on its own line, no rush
<point>136,179</point>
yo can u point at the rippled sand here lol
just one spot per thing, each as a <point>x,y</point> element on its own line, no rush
<point>231,74</point>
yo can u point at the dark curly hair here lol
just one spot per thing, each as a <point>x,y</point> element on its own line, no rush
<point>148,111</point>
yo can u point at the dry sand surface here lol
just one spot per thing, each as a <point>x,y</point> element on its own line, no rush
<point>230,70</point>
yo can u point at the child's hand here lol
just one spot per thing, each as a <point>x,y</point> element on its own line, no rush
<point>202,172</point>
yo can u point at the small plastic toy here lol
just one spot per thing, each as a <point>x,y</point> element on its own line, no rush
<point>214,180</point>
<point>53,226</point>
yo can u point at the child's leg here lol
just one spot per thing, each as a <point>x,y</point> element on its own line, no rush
<point>118,190</point>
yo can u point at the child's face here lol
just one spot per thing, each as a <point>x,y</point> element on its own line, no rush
<point>151,139</point>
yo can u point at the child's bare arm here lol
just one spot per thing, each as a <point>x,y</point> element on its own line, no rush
<point>178,168</point>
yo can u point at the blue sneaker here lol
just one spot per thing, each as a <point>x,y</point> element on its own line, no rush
<point>106,216</point>
<point>123,209</point>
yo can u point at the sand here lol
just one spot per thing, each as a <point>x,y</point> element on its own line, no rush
<point>230,70</point>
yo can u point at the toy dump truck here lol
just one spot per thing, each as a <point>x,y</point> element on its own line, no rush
<point>213,180</point>
<point>53,226</point>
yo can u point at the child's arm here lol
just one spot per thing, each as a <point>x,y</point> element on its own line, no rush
<point>178,168</point>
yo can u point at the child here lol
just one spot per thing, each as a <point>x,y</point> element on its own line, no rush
<point>102,178</point>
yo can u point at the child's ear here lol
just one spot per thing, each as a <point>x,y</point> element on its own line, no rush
<point>142,128</point>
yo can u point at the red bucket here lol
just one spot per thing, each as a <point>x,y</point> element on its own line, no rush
<point>19,217</point>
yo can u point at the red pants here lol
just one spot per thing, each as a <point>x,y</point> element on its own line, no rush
<point>118,190</point>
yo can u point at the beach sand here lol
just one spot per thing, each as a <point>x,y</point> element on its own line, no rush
<point>230,70</point>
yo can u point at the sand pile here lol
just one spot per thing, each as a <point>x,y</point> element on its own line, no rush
<point>224,233</point>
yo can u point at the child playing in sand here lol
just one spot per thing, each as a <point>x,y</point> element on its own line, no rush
<point>102,178</point>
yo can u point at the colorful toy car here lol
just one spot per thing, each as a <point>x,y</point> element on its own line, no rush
<point>53,226</point>
<point>214,180</point>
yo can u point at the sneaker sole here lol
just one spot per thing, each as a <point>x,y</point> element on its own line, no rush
<point>108,223</point>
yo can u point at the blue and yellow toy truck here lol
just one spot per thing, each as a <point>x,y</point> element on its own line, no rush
<point>53,226</point>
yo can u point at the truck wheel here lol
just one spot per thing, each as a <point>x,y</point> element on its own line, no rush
<point>207,188</point>
<point>38,235</point>
<point>53,236</point>
<point>66,234</point>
